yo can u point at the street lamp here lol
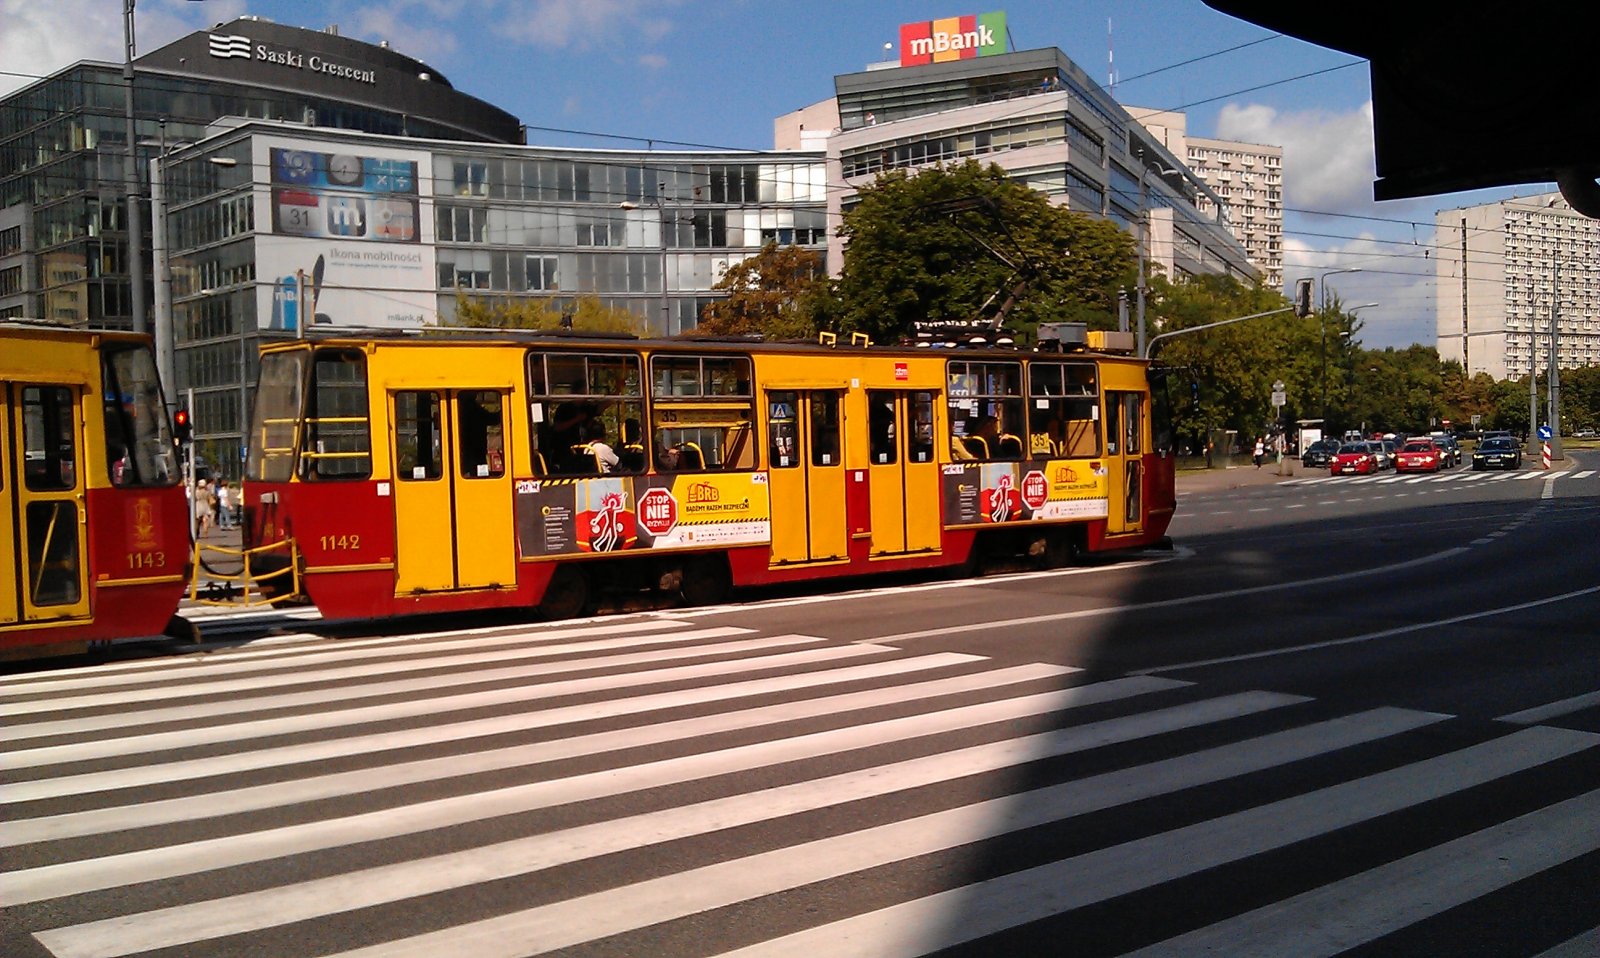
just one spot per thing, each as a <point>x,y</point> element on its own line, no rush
<point>1322,323</point>
<point>131,181</point>
<point>659,202</point>
<point>1144,240</point>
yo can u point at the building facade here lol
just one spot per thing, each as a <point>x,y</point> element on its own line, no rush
<point>274,226</point>
<point>1042,119</point>
<point>63,144</point>
<point>1506,272</point>
<point>1247,177</point>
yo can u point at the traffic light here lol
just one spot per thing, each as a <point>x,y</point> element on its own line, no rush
<point>182,431</point>
<point>1194,395</point>
<point>1302,298</point>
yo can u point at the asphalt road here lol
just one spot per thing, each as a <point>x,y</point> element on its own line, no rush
<point>1342,716</point>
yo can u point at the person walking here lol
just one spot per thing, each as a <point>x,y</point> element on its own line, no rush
<point>203,507</point>
<point>224,506</point>
<point>1261,450</point>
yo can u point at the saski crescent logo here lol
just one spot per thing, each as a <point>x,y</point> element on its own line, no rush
<point>227,48</point>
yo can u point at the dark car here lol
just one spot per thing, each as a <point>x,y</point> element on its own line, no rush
<point>1319,454</point>
<point>1499,452</point>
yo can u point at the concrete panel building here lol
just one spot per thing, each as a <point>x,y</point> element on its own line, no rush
<point>1504,270</point>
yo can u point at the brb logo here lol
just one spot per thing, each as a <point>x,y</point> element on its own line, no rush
<point>953,38</point>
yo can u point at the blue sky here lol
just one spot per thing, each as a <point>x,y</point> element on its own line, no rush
<point>714,73</point>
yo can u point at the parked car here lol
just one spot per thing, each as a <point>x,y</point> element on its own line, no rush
<point>1319,454</point>
<point>1354,458</point>
<point>1420,455</point>
<point>1584,434</point>
<point>1497,452</point>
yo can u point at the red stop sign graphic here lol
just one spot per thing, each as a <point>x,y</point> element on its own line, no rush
<point>1035,490</point>
<point>658,512</point>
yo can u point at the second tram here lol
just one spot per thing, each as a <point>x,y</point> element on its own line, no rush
<point>94,529</point>
<point>412,474</point>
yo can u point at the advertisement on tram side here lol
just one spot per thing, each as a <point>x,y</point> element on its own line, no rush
<point>617,513</point>
<point>997,492</point>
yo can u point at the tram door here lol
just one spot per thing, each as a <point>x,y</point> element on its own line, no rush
<point>45,567</point>
<point>452,491</point>
<point>806,475</point>
<point>902,472</point>
<point>1125,416</point>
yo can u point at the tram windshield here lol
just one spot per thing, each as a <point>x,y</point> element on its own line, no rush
<point>139,450</point>
<point>275,423</point>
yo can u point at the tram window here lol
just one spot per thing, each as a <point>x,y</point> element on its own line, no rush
<point>49,446</point>
<point>1063,410</point>
<point>702,413</point>
<point>418,436</point>
<point>881,443</point>
<point>825,429</point>
<point>783,431</point>
<point>337,445</point>
<point>480,434</point>
<point>986,410</point>
<point>587,413</point>
<point>139,450</point>
<point>53,553</point>
<point>275,421</point>
<point>920,445</point>
<point>1132,423</point>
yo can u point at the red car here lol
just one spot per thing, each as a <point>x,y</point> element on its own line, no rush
<point>1419,455</point>
<point>1353,457</point>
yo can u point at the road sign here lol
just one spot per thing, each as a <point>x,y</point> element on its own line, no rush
<point>1279,398</point>
<point>1544,432</point>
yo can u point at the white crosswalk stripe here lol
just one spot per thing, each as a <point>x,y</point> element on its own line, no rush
<point>582,750</point>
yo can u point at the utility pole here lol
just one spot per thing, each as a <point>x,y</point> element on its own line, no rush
<point>1554,383</point>
<point>1466,339</point>
<point>131,180</point>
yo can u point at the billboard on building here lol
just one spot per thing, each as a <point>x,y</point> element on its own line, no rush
<point>952,38</point>
<point>355,223</point>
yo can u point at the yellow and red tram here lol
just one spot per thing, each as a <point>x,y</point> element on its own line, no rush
<point>417,474</point>
<point>94,530</point>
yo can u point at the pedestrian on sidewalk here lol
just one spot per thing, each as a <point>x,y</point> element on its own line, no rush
<point>1261,450</point>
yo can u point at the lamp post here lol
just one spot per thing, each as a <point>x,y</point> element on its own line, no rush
<point>1144,240</point>
<point>131,181</point>
<point>659,203</point>
<point>1322,323</point>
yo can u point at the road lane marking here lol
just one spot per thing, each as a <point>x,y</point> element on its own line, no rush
<point>60,879</point>
<point>1370,636</point>
<point>435,734</point>
<point>1001,624</point>
<point>1552,710</point>
<point>923,925</point>
<point>1360,909</point>
<point>22,831</point>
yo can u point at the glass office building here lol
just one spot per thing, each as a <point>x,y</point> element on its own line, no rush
<point>275,226</point>
<point>63,142</point>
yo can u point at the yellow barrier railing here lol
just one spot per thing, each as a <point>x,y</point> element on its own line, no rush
<point>238,587</point>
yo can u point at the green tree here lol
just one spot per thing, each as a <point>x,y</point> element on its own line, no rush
<point>1234,366</point>
<point>780,293</point>
<point>907,262</point>
<point>588,314</point>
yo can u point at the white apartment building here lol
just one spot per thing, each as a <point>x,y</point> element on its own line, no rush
<point>1248,177</point>
<point>1526,260</point>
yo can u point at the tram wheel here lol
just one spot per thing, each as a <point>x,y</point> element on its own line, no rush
<point>706,580</point>
<point>1059,551</point>
<point>567,596</point>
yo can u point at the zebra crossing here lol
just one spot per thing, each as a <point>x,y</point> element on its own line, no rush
<point>1408,479</point>
<point>652,786</point>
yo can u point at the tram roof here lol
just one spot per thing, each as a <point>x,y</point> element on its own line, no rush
<point>581,339</point>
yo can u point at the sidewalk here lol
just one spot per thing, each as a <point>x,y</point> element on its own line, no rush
<point>1209,480</point>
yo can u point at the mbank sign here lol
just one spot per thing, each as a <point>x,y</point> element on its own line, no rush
<point>953,38</point>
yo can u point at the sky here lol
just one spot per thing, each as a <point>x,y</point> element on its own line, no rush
<point>715,74</point>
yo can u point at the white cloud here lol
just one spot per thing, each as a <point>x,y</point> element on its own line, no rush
<point>429,43</point>
<point>1328,162</point>
<point>582,24</point>
<point>38,38</point>
<point>1397,276</point>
